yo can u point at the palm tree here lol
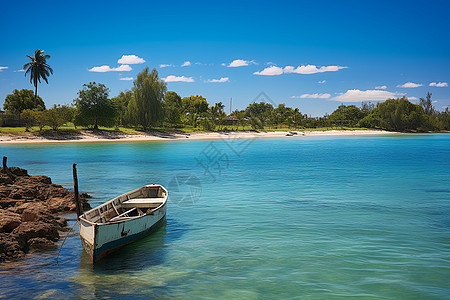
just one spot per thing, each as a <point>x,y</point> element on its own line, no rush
<point>38,68</point>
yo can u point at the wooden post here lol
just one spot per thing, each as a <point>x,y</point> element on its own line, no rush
<point>6,170</point>
<point>75,188</point>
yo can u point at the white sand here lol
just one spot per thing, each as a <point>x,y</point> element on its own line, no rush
<point>87,137</point>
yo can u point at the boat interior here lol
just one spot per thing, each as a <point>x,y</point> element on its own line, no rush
<point>137,203</point>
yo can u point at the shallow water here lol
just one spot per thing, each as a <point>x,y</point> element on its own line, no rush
<point>304,217</point>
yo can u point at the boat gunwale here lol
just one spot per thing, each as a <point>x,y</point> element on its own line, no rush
<point>164,201</point>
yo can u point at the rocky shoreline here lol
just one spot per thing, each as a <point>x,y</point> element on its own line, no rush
<point>30,208</point>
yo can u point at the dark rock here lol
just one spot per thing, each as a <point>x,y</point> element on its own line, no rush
<point>29,230</point>
<point>38,244</point>
<point>9,221</point>
<point>10,247</point>
<point>5,179</point>
<point>28,212</point>
<point>15,171</point>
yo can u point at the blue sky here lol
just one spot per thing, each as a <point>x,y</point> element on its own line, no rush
<point>313,55</point>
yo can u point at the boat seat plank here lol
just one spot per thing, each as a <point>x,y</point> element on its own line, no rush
<point>143,202</point>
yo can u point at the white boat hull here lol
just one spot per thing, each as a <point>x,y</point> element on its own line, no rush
<point>99,239</point>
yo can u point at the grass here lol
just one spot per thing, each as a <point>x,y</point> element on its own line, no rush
<point>69,129</point>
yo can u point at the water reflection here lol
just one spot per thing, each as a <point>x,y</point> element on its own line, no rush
<point>107,277</point>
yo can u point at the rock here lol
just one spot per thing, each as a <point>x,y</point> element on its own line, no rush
<point>9,221</point>
<point>28,212</point>
<point>5,179</point>
<point>37,244</point>
<point>10,248</point>
<point>29,230</point>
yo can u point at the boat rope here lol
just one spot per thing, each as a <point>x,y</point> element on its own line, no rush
<point>67,235</point>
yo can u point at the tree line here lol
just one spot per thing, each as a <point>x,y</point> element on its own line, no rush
<point>149,105</point>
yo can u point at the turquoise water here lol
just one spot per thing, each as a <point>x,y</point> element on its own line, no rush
<point>304,217</point>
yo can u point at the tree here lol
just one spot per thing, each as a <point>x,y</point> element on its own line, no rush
<point>28,116</point>
<point>366,108</point>
<point>57,116</point>
<point>21,100</point>
<point>194,104</point>
<point>350,114</point>
<point>260,113</point>
<point>40,118</point>
<point>121,103</point>
<point>427,104</point>
<point>172,108</point>
<point>258,109</point>
<point>397,115</point>
<point>146,108</point>
<point>93,106</point>
<point>38,69</point>
<point>240,114</point>
<point>217,114</point>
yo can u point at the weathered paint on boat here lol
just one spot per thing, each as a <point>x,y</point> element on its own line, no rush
<point>102,237</point>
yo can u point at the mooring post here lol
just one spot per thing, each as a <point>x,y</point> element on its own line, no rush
<point>6,170</point>
<point>75,188</point>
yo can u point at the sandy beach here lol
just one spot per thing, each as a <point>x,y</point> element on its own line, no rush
<point>89,137</point>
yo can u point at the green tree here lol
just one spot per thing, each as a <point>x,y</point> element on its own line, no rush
<point>348,115</point>
<point>397,115</point>
<point>217,114</point>
<point>40,118</point>
<point>28,116</point>
<point>93,106</point>
<point>18,101</point>
<point>240,114</point>
<point>366,108</point>
<point>38,69</point>
<point>121,103</point>
<point>258,109</point>
<point>427,104</point>
<point>172,108</point>
<point>57,116</point>
<point>194,104</point>
<point>146,108</point>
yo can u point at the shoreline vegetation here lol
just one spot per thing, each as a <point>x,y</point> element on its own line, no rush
<point>104,135</point>
<point>150,112</point>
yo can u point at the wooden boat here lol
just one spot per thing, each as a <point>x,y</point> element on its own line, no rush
<point>122,220</point>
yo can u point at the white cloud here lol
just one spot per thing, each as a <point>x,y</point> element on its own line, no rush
<point>311,69</point>
<point>435,101</point>
<point>105,68</point>
<point>439,84</point>
<point>410,85</point>
<point>270,71</point>
<point>19,70</point>
<point>382,87</point>
<point>130,60</point>
<point>368,95</point>
<point>186,64</point>
<point>240,63</point>
<point>223,64</point>
<point>308,69</point>
<point>412,98</point>
<point>313,96</point>
<point>321,81</point>
<point>3,68</point>
<point>223,79</point>
<point>124,68</point>
<point>126,78</point>
<point>172,78</point>
<point>165,65</point>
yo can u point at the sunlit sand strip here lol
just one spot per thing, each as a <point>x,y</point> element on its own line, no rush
<point>188,136</point>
